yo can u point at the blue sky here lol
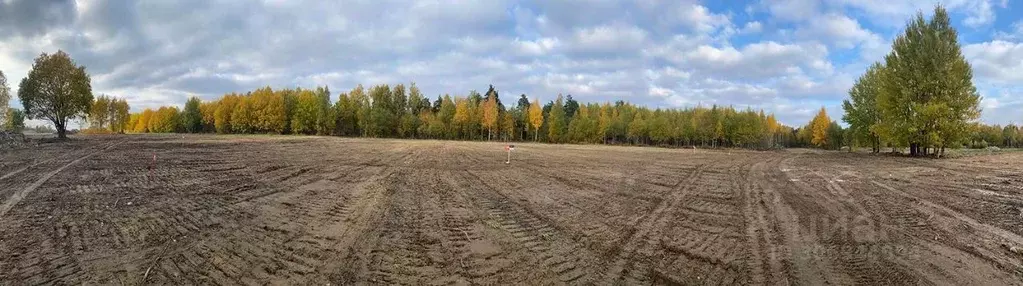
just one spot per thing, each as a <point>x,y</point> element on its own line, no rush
<point>787,57</point>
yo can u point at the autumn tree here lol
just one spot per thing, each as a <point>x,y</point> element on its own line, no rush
<point>462,116</point>
<point>133,120</point>
<point>142,125</point>
<point>306,113</point>
<point>99,112</point>
<point>490,116</point>
<point>819,128</point>
<point>243,118</point>
<point>208,110</point>
<point>226,107</point>
<point>57,90</point>
<point>165,120</point>
<point>535,118</point>
<point>267,111</point>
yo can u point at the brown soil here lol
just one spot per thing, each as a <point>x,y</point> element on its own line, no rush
<point>310,210</point>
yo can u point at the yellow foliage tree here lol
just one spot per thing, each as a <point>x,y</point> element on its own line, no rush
<point>243,117</point>
<point>142,126</point>
<point>223,113</point>
<point>462,113</point>
<point>208,109</point>
<point>819,128</point>
<point>490,116</point>
<point>535,118</point>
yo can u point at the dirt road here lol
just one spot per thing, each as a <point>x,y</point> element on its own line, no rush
<point>311,210</point>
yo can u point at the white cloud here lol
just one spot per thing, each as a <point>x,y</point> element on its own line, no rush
<point>1015,32</point>
<point>756,61</point>
<point>701,19</point>
<point>609,38</point>
<point>978,13</point>
<point>752,28</point>
<point>838,30</point>
<point>996,61</point>
<point>791,10</point>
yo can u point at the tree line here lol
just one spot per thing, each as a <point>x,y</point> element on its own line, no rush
<point>401,111</point>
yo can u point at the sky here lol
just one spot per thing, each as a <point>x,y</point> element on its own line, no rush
<point>790,57</point>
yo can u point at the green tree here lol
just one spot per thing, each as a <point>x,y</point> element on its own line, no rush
<point>306,113</point>
<point>556,120</point>
<point>928,97</point>
<point>861,108</point>
<point>57,90</point>
<point>119,115</point>
<point>382,118</point>
<point>99,112</point>
<point>192,115</point>
<point>15,120</point>
<point>325,116</point>
<point>446,115</point>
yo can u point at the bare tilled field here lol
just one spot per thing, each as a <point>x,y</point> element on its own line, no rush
<point>309,210</point>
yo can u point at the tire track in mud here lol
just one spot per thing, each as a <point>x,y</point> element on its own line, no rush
<point>867,237</point>
<point>707,239</point>
<point>839,234</point>
<point>18,196</point>
<point>624,268</point>
<point>793,246</point>
<point>565,259</point>
<point>765,254</point>
<point>1000,238</point>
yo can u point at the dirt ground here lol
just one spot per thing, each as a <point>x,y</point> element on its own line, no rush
<point>319,210</point>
